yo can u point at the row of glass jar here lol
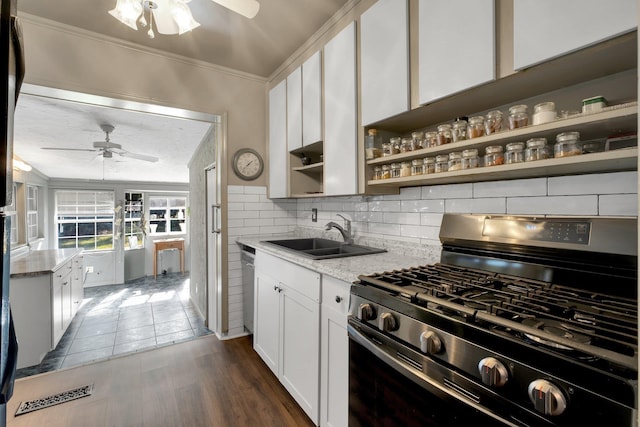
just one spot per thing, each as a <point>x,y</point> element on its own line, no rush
<point>475,127</point>
<point>567,144</point>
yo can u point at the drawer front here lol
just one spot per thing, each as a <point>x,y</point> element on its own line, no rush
<point>169,245</point>
<point>63,273</point>
<point>335,294</point>
<point>300,279</point>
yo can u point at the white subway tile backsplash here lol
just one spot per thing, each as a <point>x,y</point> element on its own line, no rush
<point>243,198</point>
<point>432,219</point>
<point>244,214</point>
<point>553,205</point>
<point>258,222</point>
<point>410,193</point>
<point>611,183</point>
<point>384,229</point>
<point>235,207</point>
<point>235,189</point>
<point>401,218</point>
<point>448,191</point>
<point>243,231</point>
<point>384,206</point>
<point>518,187</point>
<point>332,206</point>
<point>422,206</point>
<point>369,216</point>
<point>419,231</point>
<point>275,229</point>
<point>264,206</point>
<point>494,206</point>
<point>232,223</point>
<point>618,204</point>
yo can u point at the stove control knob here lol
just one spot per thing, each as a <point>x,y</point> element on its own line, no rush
<point>547,398</point>
<point>430,342</point>
<point>387,322</point>
<point>493,372</point>
<point>366,312</point>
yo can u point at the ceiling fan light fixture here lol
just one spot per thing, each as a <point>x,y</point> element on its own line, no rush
<point>183,17</point>
<point>247,8</point>
<point>127,12</point>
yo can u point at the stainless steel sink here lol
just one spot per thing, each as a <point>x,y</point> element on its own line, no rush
<point>317,248</point>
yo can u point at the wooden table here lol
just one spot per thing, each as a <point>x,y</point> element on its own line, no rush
<point>161,245</point>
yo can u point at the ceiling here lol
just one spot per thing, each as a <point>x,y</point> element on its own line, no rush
<point>257,46</point>
<point>49,122</point>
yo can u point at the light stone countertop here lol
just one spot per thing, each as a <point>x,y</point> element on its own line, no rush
<point>37,263</point>
<point>348,268</point>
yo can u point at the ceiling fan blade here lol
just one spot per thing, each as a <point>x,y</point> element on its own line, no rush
<point>66,149</point>
<point>106,144</point>
<point>246,8</point>
<point>139,156</point>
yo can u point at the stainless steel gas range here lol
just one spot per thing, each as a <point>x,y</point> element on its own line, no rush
<point>524,322</point>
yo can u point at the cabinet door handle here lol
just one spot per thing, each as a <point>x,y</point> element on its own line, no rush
<point>214,219</point>
<point>338,299</point>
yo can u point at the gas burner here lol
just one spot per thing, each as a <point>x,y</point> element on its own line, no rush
<point>557,328</point>
<point>480,300</point>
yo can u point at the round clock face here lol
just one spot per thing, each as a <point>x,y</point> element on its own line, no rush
<point>247,164</point>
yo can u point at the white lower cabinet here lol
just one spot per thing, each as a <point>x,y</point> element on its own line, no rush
<point>334,358</point>
<point>287,327</point>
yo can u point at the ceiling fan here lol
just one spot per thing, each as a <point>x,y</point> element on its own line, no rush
<point>107,148</point>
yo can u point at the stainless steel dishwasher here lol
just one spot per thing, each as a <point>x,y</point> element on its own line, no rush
<point>247,258</point>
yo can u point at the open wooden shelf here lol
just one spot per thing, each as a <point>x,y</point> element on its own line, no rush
<point>608,161</point>
<point>312,168</point>
<point>614,120</point>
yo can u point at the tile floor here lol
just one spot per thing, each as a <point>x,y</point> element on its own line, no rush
<point>124,318</point>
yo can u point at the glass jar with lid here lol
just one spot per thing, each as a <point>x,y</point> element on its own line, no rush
<point>418,140</point>
<point>372,145</point>
<point>567,144</point>
<point>416,167</point>
<point>544,112</point>
<point>493,155</point>
<point>470,158</point>
<point>518,116</point>
<point>536,149</point>
<point>386,172</point>
<point>405,169</point>
<point>514,153</point>
<point>406,145</point>
<point>493,122</point>
<point>442,163</point>
<point>476,127</point>
<point>459,130</point>
<point>430,139</point>
<point>455,161</point>
<point>377,173</point>
<point>444,134</point>
<point>395,170</point>
<point>428,165</point>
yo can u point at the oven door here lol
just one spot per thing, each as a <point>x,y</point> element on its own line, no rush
<point>393,385</point>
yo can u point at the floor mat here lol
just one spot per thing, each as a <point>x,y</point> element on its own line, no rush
<point>56,399</point>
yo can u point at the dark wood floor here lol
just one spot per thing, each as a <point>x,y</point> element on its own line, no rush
<point>204,382</point>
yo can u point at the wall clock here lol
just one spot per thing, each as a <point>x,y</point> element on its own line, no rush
<point>247,164</point>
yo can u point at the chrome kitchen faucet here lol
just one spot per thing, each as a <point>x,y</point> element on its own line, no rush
<point>346,231</point>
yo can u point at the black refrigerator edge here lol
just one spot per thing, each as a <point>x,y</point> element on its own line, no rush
<point>12,63</point>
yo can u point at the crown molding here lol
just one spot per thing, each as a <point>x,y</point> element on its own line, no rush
<point>90,35</point>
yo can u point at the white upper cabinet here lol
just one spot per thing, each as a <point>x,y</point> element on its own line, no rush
<point>384,59</point>
<point>312,100</point>
<point>294,109</point>
<point>278,140</point>
<point>545,29</point>
<point>457,49</point>
<point>341,114</point>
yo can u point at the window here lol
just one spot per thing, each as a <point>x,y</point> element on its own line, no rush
<point>85,219</point>
<point>134,221</point>
<point>12,214</point>
<point>32,213</point>
<point>167,214</point>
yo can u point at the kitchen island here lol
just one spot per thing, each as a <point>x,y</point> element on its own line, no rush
<point>45,292</point>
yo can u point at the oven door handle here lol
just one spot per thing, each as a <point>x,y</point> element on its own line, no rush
<point>411,373</point>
